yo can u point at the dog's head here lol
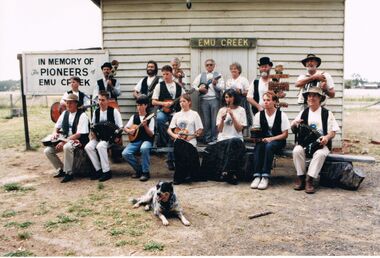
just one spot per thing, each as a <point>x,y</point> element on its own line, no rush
<point>164,191</point>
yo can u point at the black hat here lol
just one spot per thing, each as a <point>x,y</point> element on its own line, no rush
<point>142,99</point>
<point>265,61</point>
<point>311,57</point>
<point>315,89</point>
<point>107,64</point>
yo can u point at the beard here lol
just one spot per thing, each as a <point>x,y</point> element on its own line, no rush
<point>264,74</point>
<point>311,69</point>
<point>151,72</point>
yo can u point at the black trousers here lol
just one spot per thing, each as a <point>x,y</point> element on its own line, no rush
<point>187,165</point>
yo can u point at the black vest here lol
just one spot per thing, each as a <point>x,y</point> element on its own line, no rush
<point>276,129</point>
<point>102,87</point>
<point>165,95</point>
<point>81,97</point>
<point>145,89</point>
<point>256,95</point>
<point>110,115</point>
<point>324,115</point>
<point>142,135</point>
<point>65,126</point>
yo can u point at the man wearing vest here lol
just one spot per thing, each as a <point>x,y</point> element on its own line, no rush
<point>143,141</point>
<point>163,97</point>
<point>259,86</point>
<point>323,120</point>
<point>147,84</point>
<point>313,78</point>
<point>209,89</point>
<point>83,99</point>
<point>107,83</point>
<point>74,125</point>
<point>97,150</point>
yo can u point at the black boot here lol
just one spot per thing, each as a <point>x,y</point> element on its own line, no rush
<point>67,178</point>
<point>96,175</point>
<point>60,173</point>
<point>105,176</point>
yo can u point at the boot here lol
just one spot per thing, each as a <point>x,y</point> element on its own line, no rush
<point>96,175</point>
<point>60,173</point>
<point>309,189</point>
<point>300,183</point>
<point>105,176</point>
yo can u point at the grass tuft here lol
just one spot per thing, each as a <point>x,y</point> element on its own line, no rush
<point>24,235</point>
<point>153,246</point>
<point>19,254</point>
<point>8,213</point>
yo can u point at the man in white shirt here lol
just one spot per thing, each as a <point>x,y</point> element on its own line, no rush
<point>107,83</point>
<point>209,88</point>
<point>83,99</point>
<point>314,78</point>
<point>324,122</point>
<point>74,125</point>
<point>147,84</point>
<point>97,149</point>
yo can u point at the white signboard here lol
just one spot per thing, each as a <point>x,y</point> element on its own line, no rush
<point>48,73</point>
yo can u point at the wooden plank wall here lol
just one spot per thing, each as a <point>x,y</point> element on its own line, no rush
<point>286,30</point>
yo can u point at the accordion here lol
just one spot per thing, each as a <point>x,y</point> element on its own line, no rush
<point>309,139</point>
<point>107,131</point>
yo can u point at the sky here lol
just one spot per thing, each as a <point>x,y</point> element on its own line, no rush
<point>33,25</point>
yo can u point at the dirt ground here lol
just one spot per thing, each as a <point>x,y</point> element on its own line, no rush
<point>87,218</point>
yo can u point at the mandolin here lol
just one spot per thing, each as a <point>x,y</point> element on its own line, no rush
<point>170,109</point>
<point>133,137</point>
<point>183,133</point>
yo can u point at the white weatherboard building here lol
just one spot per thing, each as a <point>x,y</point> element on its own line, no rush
<point>135,31</point>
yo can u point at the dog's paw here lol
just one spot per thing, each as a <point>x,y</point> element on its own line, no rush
<point>186,222</point>
<point>147,207</point>
<point>165,222</point>
<point>136,205</point>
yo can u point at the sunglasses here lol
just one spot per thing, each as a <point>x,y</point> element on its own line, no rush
<point>209,64</point>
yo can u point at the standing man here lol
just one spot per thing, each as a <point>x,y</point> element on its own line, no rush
<point>163,97</point>
<point>313,78</point>
<point>209,87</point>
<point>147,84</point>
<point>324,122</point>
<point>107,83</point>
<point>178,74</point>
<point>97,149</point>
<point>259,86</point>
<point>74,125</point>
<point>83,99</point>
<point>143,140</point>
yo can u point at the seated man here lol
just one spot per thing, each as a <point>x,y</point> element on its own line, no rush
<point>97,149</point>
<point>142,141</point>
<point>324,122</point>
<point>74,125</point>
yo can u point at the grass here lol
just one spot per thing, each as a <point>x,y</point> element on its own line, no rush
<point>100,186</point>
<point>153,246</point>
<point>62,219</point>
<point>24,235</point>
<point>19,253</point>
<point>8,213</point>
<point>16,187</point>
<point>25,224</point>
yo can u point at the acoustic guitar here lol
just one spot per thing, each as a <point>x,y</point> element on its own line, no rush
<point>170,109</point>
<point>133,137</point>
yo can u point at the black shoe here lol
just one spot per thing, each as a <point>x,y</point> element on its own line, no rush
<point>96,175</point>
<point>67,178</point>
<point>136,175</point>
<point>144,177</point>
<point>176,182</point>
<point>60,173</point>
<point>105,176</point>
<point>170,165</point>
<point>232,180</point>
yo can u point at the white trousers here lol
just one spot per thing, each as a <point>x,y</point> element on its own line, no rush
<point>95,147</point>
<point>68,157</point>
<point>316,163</point>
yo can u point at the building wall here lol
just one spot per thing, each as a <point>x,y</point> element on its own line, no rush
<point>286,30</point>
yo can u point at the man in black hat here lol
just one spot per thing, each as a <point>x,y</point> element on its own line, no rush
<point>107,83</point>
<point>143,140</point>
<point>313,78</point>
<point>259,86</point>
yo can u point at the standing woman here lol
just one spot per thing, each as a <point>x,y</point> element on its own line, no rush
<point>274,125</point>
<point>184,127</point>
<point>223,160</point>
<point>241,85</point>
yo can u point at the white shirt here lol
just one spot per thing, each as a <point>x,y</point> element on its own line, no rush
<point>329,81</point>
<point>82,126</point>
<point>116,89</point>
<point>315,121</point>
<point>189,120</point>
<point>240,83</point>
<point>285,125</point>
<point>263,87</point>
<point>229,130</point>
<point>211,91</point>
<point>171,88</point>
<point>130,123</point>
<point>103,117</point>
<point>86,99</point>
<point>148,81</point>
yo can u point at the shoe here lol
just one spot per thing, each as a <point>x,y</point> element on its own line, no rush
<point>175,182</point>
<point>96,175</point>
<point>144,177</point>
<point>309,188</point>
<point>67,178</point>
<point>255,183</point>
<point>232,180</point>
<point>300,183</point>
<point>136,176</point>
<point>170,165</point>
<point>60,173</point>
<point>105,176</point>
<point>224,176</point>
<point>263,183</point>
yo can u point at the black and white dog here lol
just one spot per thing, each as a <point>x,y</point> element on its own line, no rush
<point>164,202</point>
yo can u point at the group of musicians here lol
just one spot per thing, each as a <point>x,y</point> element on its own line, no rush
<point>226,110</point>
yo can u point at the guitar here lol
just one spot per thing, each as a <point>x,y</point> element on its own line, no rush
<point>170,109</point>
<point>133,137</point>
<point>207,84</point>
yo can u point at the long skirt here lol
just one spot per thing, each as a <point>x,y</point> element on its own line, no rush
<point>224,156</point>
<point>187,165</point>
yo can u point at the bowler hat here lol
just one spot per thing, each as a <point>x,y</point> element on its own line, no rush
<point>107,64</point>
<point>311,57</point>
<point>72,97</point>
<point>142,99</point>
<point>265,61</point>
<point>317,90</point>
